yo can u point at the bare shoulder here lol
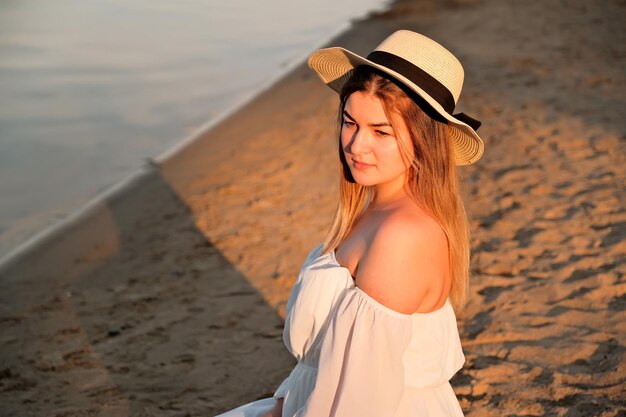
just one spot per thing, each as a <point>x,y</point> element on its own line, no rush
<point>407,257</point>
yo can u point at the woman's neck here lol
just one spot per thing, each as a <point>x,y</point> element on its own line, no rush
<point>386,195</point>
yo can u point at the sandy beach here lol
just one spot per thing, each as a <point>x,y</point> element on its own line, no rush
<point>168,298</point>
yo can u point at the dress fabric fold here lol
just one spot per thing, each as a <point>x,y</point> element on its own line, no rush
<point>357,357</point>
<point>360,369</point>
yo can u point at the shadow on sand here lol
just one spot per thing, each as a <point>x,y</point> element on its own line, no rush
<point>118,316</point>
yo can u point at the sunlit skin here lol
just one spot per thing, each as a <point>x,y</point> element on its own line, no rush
<point>370,146</point>
<point>395,250</point>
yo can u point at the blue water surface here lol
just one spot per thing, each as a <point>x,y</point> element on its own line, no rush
<point>90,89</point>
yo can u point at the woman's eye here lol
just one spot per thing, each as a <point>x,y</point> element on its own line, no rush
<point>381,133</point>
<point>348,123</point>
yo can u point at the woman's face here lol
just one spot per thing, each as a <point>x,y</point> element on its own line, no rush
<point>370,144</point>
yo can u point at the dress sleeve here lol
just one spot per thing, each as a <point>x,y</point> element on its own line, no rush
<point>313,295</point>
<point>361,372</point>
<point>283,388</point>
<point>294,345</point>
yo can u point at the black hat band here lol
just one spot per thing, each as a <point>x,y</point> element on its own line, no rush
<point>424,80</point>
<point>417,76</point>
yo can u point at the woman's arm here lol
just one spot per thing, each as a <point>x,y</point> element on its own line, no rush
<point>405,261</point>
<point>277,411</point>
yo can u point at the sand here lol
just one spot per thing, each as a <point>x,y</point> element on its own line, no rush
<point>168,298</point>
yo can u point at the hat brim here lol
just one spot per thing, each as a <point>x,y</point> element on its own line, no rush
<point>334,67</point>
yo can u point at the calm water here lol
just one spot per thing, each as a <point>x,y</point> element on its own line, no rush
<point>90,89</point>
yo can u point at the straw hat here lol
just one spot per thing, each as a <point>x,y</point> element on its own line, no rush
<point>422,65</point>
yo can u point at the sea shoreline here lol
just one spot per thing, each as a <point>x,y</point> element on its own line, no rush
<point>47,233</point>
<point>85,151</point>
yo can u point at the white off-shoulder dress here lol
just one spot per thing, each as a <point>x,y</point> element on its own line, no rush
<point>359,358</point>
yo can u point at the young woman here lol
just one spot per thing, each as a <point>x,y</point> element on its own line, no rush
<point>371,317</point>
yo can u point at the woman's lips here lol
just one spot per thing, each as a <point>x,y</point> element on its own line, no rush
<point>361,165</point>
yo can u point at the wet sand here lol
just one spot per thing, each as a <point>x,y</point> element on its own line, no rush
<point>168,298</point>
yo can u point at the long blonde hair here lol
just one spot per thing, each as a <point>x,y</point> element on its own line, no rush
<point>432,177</point>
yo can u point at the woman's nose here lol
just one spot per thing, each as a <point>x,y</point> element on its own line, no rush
<point>359,143</point>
